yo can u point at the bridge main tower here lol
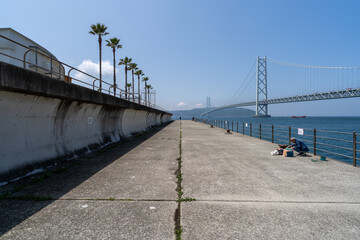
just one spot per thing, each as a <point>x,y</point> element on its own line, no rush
<point>261,88</point>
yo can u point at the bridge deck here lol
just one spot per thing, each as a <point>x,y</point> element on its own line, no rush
<point>241,191</point>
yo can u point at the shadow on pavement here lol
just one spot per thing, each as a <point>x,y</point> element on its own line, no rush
<point>52,185</point>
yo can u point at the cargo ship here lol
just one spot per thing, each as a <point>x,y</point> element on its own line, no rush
<point>298,116</point>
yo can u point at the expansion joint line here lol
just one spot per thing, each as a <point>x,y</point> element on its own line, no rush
<point>179,190</point>
<point>178,228</point>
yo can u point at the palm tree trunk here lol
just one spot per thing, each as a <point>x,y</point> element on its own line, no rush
<point>139,89</point>
<point>133,96</point>
<point>125,82</point>
<point>145,93</point>
<point>114,75</point>
<point>100,62</point>
<point>149,96</point>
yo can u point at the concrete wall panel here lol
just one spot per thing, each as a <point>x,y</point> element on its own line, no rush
<point>35,129</point>
<point>42,119</point>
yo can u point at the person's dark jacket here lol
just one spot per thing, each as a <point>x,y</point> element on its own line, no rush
<point>300,146</point>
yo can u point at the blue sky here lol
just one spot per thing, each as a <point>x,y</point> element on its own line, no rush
<point>191,49</point>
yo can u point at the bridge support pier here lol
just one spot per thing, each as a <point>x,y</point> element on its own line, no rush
<point>261,88</point>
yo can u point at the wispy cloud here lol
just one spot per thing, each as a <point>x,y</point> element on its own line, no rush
<point>182,104</point>
<point>92,68</point>
<point>199,105</point>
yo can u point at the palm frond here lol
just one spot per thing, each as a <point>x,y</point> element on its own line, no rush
<point>138,72</point>
<point>113,43</point>
<point>98,29</point>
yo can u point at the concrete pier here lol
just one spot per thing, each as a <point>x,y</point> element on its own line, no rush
<point>129,191</point>
<point>44,120</point>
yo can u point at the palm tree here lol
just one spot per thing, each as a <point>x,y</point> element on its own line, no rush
<point>145,79</point>
<point>148,90</point>
<point>114,44</point>
<point>126,62</point>
<point>128,85</point>
<point>139,73</point>
<point>99,30</point>
<point>133,67</point>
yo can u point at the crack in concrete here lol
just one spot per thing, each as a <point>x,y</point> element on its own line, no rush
<point>177,217</point>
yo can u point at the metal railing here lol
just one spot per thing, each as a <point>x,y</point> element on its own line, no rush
<point>343,146</point>
<point>59,73</point>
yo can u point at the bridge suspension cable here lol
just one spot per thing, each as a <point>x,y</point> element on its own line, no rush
<point>245,83</point>
<point>306,66</point>
<point>303,79</point>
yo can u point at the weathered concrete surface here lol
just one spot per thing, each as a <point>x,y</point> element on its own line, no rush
<point>219,166</point>
<point>95,220</point>
<point>140,169</point>
<point>129,190</point>
<point>243,192</point>
<point>261,220</point>
<point>44,120</point>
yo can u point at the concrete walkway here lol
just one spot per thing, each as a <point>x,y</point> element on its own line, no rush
<point>242,192</point>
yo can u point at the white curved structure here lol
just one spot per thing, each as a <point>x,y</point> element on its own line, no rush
<point>40,63</point>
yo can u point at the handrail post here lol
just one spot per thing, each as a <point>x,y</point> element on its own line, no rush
<point>51,68</point>
<point>25,57</point>
<point>260,130</point>
<point>289,135</point>
<point>354,149</point>
<point>60,71</point>
<point>250,129</point>
<point>243,129</point>
<point>69,73</point>
<point>272,133</point>
<point>237,127</point>
<point>314,141</point>
<point>110,88</point>
<point>36,60</point>
<point>232,126</point>
<point>94,83</point>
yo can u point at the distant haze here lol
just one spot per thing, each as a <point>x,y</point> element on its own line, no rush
<point>233,112</point>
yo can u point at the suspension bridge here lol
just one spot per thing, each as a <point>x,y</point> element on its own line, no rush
<point>300,82</point>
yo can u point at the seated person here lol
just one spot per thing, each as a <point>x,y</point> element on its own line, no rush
<point>299,146</point>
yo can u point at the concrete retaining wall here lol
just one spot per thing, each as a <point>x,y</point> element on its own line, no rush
<point>36,128</point>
